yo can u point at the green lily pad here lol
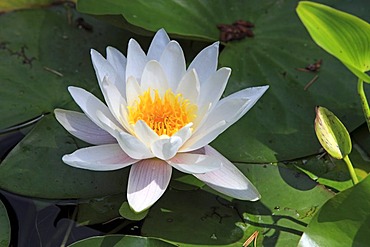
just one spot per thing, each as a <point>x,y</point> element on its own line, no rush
<point>289,201</point>
<point>5,226</point>
<point>280,126</point>
<point>121,241</point>
<point>343,221</point>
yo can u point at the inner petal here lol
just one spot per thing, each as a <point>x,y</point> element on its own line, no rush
<point>165,114</point>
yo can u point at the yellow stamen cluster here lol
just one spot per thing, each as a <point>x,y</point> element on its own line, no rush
<point>163,115</point>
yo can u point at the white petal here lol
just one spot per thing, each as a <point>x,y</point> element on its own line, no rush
<point>118,62</point>
<point>203,137</point>
<point>133,90</point>
<point>233,107</point>
<point>227,112</point>
<point>116,103</point>
<point>194,163</point>
<point>133,146</point>
<point>212,89</point>
<point>228,179</point>
<point>173,63</point>
<point>184,133</point>
<point>145,133</point>
<point>82,127</point>
<point>158,44</point>
<point>167,147</point>
<point>91,105</point>
<point>189,86</point>
<point>99,158</point>
<point>154,78</point>
<point>136,60</point>
<point>205,63</point>
<point>103,69</point>
<point>129,143</point>
<point>147,182</point>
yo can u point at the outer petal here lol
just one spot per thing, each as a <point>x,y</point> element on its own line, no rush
<point>99,158</point>
<point>118,62</point>
<point>195,163</point>
<point>167,147</point>
<point>228,179</point>
<point>158,44</point>
<point>189,86</point>
<point>147,182</point>
<point>205,63</point>
<point>154,78</point>
<point>173,63</point>
<point>136,60</point>
<point>227,112</point>
<point>91,105</point>
<point>103,69</point>
<point>82,127</point>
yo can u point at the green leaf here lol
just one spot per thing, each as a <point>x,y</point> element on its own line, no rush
<point>121,241</point>
<point>6,6</point>
<point>197,218</point>
<point>343,35</point>
<point>126,212</point>
<point>5,227</point>
<point>280,126</point>
<point>343,221</point>
<point>332,134</point>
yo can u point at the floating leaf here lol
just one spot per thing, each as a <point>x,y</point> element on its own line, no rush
<point>343,35</point>
<point>197,218</point>
<point>332,134</point>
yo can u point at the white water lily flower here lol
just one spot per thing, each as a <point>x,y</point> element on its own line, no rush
<point>158,116</point>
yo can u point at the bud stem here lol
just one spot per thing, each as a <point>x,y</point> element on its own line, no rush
<point>350,169</point>
<point>365,104</point>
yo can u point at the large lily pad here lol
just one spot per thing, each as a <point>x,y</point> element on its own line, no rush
<point>280,126</point>
<point>343,221</point>
<point>289,200</point>
<point>41,57</point>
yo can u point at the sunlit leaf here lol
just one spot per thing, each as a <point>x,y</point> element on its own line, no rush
<point>343,221</point>
<point>126,212</point>
<point>343,35</point>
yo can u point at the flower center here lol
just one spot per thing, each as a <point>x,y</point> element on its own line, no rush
<point>163,115</point>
